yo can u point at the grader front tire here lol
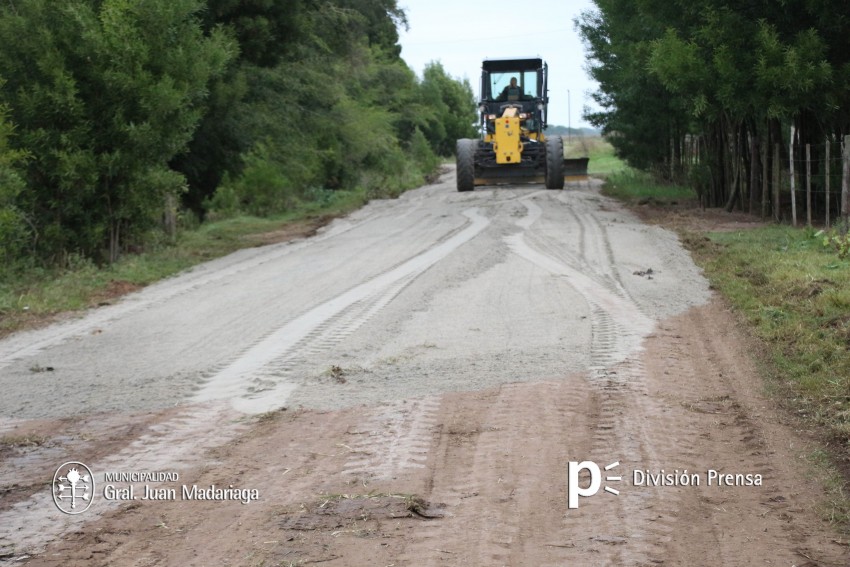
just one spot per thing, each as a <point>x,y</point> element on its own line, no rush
<point>466,164</point>
<point>554,163</point>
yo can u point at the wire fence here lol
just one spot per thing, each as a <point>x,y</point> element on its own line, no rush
<point>815,184</point>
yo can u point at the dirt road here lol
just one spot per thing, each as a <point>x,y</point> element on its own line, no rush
<point>410,387</point>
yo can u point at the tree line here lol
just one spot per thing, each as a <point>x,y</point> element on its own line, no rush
<point>113,111</point>
<point>702,92</point>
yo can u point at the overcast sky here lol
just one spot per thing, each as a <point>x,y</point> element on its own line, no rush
<point>460,34</point>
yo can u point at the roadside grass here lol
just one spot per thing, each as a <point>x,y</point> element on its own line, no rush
<point>795,294</point>
<point>634,186</point>
<point>835,507</point>
<point>31,295</point>
<point>603,162</point>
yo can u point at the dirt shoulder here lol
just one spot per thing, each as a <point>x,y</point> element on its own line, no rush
<point>689,216</point>
<point>769,268</point>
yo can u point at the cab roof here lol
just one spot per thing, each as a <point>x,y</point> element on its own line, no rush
<point>507,65</point>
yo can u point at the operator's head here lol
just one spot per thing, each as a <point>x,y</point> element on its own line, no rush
<point>513,81</point>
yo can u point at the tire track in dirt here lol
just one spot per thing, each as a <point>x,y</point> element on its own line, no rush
<point>267,386</point>
<point>451,480</point>
<point>397,436</point>
<point>619,324</point>
<point>496,537</point>
<point>594,247</point>
<point>337,327</point>
<point>617,376</point>
<point>495,468</point>
<point>626,529</point>
<point>712,415</point>
<point>651,525</point>
<point>176,444</point>
<point>678,364</point>
<point>160,533</point>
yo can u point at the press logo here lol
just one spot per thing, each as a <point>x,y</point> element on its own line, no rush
<point>574,489</point>
<point>73,488</point>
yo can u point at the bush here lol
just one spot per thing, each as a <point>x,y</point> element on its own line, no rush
<point>262,189</point>
<point>420,150</point>
<point>224,202</point>
<point>15,234</point>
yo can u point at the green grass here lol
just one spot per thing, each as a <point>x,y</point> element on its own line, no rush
<point>33,295</point>
<point>835,507</point>
<point>634,186</point>
<point>795,293</point>
<point>603,162</point>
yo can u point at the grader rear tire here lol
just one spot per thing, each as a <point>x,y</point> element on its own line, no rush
<point>554,163</point>
<point>466,164</point>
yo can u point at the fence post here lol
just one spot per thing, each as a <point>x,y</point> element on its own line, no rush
<point>845,181</point>
<point>776,181</point>
<point>764,150</point>
<point>808,185</point>
<point>753,182</point>
<point>826,175</point>
<point>793,192</point>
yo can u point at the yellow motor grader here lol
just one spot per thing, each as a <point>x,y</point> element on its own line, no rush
<point>513,147</point>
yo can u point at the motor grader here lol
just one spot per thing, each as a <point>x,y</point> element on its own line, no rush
<point>513,147</point>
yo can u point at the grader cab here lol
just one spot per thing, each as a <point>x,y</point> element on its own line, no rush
<point>513,147</point>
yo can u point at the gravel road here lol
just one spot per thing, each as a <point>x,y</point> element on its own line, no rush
<point>451,350</point>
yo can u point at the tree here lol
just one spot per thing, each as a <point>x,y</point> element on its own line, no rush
<point>104,93</point>
<point>728,75</point>
<point>311,51</point>
<point>15,235</point>
<point>638,114</point>
<point>340,112</point>
<point>453,109</point>
<point>266,30</point>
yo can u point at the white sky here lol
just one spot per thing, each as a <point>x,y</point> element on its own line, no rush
<point>460,34</point>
